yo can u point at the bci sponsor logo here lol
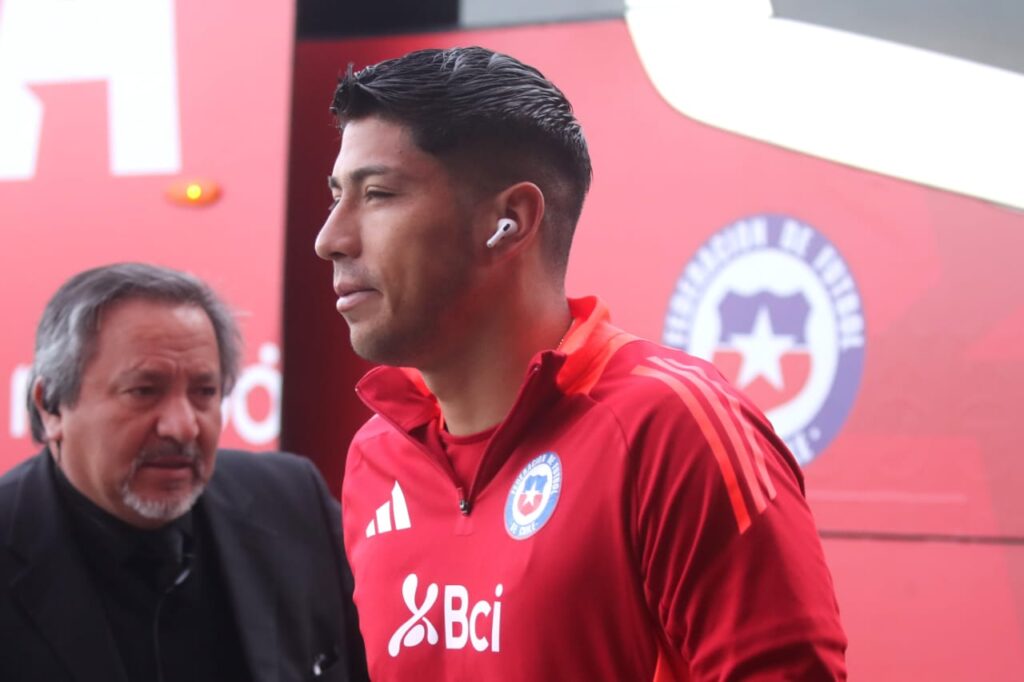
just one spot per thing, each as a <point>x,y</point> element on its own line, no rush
<point>477,625</point>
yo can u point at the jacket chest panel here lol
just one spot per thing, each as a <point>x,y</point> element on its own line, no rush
<point>547,535</point>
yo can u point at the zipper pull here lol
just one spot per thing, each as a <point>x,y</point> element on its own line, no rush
<point>463,502</point>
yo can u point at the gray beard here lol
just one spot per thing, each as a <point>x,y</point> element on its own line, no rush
<point>159,510</point>
<point>166,509</point>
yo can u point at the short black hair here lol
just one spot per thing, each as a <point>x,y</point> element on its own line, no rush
<point>487,114</point>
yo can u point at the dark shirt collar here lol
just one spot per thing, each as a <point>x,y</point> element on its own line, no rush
<point>105,532</point>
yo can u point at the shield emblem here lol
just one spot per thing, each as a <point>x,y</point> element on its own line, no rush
<point>532,495</point>
<point>762,348</point>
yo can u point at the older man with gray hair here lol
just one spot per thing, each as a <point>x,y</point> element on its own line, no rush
<point>130,548</point>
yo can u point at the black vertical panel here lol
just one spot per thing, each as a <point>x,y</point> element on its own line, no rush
<point>335,18</point>
<point>319,409</point>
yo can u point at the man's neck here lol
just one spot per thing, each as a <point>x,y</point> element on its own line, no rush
<point>477,387</point>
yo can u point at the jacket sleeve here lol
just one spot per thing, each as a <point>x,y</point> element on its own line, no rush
<point>731,561</point>
<point>351,639</point>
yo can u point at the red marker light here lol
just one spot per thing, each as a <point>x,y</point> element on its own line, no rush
<point>194,192</point>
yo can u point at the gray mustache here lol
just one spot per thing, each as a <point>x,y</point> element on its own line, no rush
<point>168,448</point>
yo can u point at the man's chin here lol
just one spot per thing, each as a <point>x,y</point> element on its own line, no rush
<point>386,349</point>
<point>371,351</point>
<point>162,508</point>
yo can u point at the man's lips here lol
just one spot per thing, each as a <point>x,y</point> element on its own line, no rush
<point>350,296</point>
<point>169,462</point>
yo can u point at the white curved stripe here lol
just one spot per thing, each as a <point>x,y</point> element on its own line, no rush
<point>881,106</point>
<point>384,518</point>
<point>402,520</point>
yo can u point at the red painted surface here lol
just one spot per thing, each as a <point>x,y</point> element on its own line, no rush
<point>931,446</point>
<point>233,79</point>
<point>929,611</point>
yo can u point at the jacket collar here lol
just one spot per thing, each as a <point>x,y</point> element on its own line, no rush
<point>399,394</point>
<point>590,344</point>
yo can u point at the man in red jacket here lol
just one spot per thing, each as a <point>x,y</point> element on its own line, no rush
<point>541,496</point>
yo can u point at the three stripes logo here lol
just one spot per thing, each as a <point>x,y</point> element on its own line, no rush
<point>392,515</point>
<point>713,405</point>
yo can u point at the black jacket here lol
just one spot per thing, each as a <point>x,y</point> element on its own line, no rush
<point>278,535</point>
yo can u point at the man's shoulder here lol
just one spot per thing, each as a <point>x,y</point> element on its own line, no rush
<point>649,371</point>
<point>272,469</point>
<point>13,491</point>
<point>260,462</point>
<point>11,480</point>
<point>372,429</point>
<point>279,481</point>
<point>652,389</point>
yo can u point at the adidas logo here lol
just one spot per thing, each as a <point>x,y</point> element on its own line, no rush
<point>395,509</point>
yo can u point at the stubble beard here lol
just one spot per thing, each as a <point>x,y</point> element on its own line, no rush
<point>412,342</point>
<point>394,347</point>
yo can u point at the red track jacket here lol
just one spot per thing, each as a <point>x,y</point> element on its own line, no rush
<point>633,518</point>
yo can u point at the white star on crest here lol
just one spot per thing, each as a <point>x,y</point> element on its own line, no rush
<point>531,496</point>
<point>761,349</point>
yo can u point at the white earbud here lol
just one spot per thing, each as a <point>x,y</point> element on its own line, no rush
<point>506,226</point>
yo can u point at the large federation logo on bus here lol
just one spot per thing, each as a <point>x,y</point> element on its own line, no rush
<point>771,302</point>
<point>534,496</point>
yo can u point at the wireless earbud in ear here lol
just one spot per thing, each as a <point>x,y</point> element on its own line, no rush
<point>506,226</point>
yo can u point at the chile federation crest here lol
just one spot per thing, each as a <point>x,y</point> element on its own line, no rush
<point>772,303</point>
<point>534,496</point>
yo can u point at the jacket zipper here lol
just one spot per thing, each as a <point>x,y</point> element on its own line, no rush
<point>464,503</point>
<point>444,466</point>
<point>497,443</point>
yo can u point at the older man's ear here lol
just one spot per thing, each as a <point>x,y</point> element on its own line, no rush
<point>50,416</point>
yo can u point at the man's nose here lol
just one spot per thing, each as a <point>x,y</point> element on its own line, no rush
<point>178,419</point>
<point>339,236</point>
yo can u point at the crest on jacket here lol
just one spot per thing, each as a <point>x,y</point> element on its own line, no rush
<point>534,496</point>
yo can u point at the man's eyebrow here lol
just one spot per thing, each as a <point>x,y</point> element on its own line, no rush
<point>138,372</point>
<point>359,174</point>
<point>156,375</point>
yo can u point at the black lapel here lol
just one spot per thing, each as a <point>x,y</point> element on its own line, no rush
<point>249,553</point>
<point>54,587</point>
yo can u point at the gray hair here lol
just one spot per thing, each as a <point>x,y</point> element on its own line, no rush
<point>66,336</point>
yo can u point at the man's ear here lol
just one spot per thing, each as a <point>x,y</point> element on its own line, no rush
<point>523,203</point>
<point>53,423</point>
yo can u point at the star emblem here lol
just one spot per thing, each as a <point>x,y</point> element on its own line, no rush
<point>762,350</point>
<point>531,496</point>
